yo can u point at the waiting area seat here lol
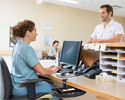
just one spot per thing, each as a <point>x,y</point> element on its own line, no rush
<point>46,56</point>
<point>38,53</point>
<point>6,86</point>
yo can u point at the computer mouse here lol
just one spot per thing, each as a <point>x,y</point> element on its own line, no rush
<point>64,74</point>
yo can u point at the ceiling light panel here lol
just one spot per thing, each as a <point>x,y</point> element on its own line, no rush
<point>70,1</point>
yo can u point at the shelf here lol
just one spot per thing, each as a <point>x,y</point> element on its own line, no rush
<point>121,73</point>
<point>120,59</point>
<point>109,58</point>
<point>121,66</point>
<point>121,51</point>
<point>112,51</point>
<point>111,70</point>
<point>109,62</point>
<point>114,72</point>
<point>112,65</point>
<point>114,78</point>
<point>121,80</point>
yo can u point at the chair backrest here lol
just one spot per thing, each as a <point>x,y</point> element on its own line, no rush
<point>6,79</point>
<point>48,52</point>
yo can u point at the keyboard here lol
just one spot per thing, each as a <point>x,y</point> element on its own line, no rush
<point>65,70</point>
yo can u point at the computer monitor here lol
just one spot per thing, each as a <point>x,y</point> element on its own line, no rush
<point>70,52</point>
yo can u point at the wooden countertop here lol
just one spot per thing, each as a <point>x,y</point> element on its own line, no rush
<point>10,52</point>
<point>5,52</point>
<point>109,44</point>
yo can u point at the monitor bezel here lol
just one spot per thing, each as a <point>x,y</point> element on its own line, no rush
<point>77,55</point>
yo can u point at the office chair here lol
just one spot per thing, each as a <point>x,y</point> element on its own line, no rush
<point>46,56</point>
<point>6,86</point>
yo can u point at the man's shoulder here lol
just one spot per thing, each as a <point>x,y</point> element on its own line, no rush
<point>99,25</point>
<point>52,48</point>
<point>115,23</point>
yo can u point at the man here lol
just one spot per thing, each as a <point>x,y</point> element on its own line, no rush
<point>54,50</point>
<point>109,30</point>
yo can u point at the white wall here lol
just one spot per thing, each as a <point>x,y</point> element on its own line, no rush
<point>68,23</point>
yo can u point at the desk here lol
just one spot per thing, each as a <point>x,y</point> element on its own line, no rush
<point>111,90</point>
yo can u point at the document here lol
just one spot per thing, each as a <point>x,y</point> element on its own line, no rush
<point>103,47</point>
<point>85,47</point>
<point>96,47</point>
<point>91,46</point>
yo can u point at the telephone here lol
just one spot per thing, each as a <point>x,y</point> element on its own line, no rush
<point>90,71</point>
<point>81,67</point>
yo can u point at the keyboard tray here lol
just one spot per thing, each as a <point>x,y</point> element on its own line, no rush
<point>67,92</point>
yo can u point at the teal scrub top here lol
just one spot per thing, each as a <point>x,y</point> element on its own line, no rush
<point>23,61</point>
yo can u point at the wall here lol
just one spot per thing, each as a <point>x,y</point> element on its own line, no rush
<point>124,28</point>
<point>68,23</point>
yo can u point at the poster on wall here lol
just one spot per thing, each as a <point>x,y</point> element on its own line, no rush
<point>47,40</point>
<point>12,42</point>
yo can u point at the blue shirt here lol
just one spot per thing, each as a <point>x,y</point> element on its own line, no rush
<point>23,61</point>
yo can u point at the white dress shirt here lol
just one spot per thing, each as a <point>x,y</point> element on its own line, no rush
<point>109,31</point>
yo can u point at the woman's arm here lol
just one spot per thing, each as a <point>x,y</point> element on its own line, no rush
<point>44,71</point>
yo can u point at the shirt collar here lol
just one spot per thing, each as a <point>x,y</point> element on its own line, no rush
<point>110,23</point>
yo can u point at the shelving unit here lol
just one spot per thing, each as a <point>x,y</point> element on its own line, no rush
<point>111,64</point>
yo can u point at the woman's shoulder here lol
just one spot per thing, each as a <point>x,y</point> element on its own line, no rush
<point>22,47</point>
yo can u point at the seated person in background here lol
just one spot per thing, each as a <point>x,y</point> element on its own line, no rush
<point>109,31</point>
<point>54,50</point>
<point>25,63</point>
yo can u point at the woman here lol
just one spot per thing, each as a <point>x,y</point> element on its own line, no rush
<point>25,63</point>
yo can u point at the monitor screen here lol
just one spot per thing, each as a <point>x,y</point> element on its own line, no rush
<point>70,52</point>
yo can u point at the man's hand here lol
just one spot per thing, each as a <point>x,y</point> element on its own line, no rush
<point>56,53</point>
<point>96,41</point>
<point>90,40</point>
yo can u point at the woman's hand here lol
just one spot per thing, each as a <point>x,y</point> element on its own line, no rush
<point>55,69</point>
<point>51,67</point>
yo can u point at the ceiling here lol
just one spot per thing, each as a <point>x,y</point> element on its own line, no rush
<point>94,5</point>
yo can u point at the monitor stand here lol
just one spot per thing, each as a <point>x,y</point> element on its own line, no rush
<point>67,76</point>
<point>67,66</point>
<point>73,67</point>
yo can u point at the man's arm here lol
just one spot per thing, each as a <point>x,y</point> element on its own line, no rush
<point>116,39</point>
<point>90,40</point>
<point>50,52</point>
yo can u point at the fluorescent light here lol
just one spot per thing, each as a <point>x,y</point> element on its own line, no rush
<point>116,7</point>
<point>70,1</point>
<point>39,1</point>
<point>87,0</point>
